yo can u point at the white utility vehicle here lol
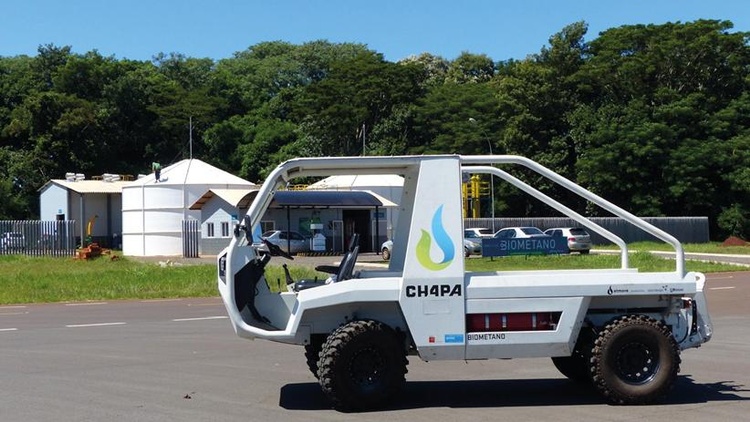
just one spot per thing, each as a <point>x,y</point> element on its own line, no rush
<point>619,329</point>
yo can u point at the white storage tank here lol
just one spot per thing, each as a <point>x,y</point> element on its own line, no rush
<point>153,212</point>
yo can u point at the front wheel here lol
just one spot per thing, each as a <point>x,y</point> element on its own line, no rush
<point>635,360</point>
<point>362,365</point>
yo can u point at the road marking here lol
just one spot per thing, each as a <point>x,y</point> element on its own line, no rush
<point>101,324</point>
<point>8,329</point>
<point>721,288</point>
<point>13,307</point>
<point>199,319</point>
<point>86,304</point>
<point>720,277</point>
<point>13,313</point>
<point>160,300</point>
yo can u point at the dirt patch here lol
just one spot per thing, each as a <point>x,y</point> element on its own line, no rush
<point>734,241</point>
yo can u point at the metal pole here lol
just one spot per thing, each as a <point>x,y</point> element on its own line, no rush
<point>363,140</point>
<point>492,189</point>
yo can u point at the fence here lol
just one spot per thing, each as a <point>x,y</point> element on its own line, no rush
<point>191,236</point>
<point>685,229</point>
<point>37,238</point>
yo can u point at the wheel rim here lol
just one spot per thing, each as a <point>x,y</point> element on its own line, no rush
<point>637,362</point>
<point>367,369</point>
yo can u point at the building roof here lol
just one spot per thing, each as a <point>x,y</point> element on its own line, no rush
<point>241,198</point>
<point>358,181</point>
<point>328,199</point>
<point>87,186</point>
<point>192,172</point>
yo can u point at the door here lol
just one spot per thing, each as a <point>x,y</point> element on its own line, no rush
<point>358,221</point>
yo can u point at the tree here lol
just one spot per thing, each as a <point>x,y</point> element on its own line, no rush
<point>442,121</point>
<point>470,68</point>
<point>357,94</point>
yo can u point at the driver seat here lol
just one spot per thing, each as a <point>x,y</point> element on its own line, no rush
<point>344,271</point>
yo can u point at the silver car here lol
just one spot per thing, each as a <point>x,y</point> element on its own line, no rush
<point>470,248</point>
<point>290,241</point>
<point>578,239</point>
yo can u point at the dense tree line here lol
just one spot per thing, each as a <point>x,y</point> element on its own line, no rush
<point>655,118</point>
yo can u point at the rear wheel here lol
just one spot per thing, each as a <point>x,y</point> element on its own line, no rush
<point>635,360</point>
<point>362,365</point>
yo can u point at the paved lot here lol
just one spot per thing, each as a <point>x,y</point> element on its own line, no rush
<point>178,360</point>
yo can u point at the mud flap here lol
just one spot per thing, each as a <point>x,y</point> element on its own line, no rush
<point>702,320</point>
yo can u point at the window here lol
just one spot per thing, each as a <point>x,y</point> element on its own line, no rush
<point>268,225</point>
<point>225,229</point>
<point>209,229</point>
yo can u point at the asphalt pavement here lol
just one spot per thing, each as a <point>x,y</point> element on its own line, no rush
<point>179,360</point>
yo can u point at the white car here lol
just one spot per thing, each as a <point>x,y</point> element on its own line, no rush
<point>289,241</point>
<point>578,239</point>
<point>470,248</point>
<point>520,233</point>
<point>477,233</point>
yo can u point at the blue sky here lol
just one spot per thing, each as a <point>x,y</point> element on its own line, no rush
<point>502,29</point>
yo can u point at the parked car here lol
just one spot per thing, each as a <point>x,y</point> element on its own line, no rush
<point>520,233</point>
<point>282,238</point>
<point>473,239</point>
<point>12,240</point>
<point>477,233</point>
<point>470,248</point>
<point>578,239</point>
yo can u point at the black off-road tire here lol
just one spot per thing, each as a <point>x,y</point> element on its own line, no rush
<point>577,367</point>
<point>362,365</point>
<point>635,360</point>
<point>573,367</point>
<point>312,353</point>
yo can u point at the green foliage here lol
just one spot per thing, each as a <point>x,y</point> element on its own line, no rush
<point>735,221</point>
<point>652,117</point>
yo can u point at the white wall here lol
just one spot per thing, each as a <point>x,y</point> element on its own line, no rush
<point>53,198</point>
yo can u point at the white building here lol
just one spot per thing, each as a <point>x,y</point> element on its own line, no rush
<point>96,201</point>
<point>389,186</point>
<point>153,211</point>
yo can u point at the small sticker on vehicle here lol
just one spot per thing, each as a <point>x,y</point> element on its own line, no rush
<point>454,338</point>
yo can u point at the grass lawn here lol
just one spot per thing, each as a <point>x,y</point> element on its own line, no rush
<point>643,261</point>
<point>25,279</point>
<point>709,247</point>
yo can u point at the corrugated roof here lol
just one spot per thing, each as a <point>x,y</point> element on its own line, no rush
<point>88,186</point>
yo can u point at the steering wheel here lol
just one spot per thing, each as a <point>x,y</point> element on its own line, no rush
<point>275,250</point>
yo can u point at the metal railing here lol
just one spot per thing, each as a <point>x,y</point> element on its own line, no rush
<point>37,238</point>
